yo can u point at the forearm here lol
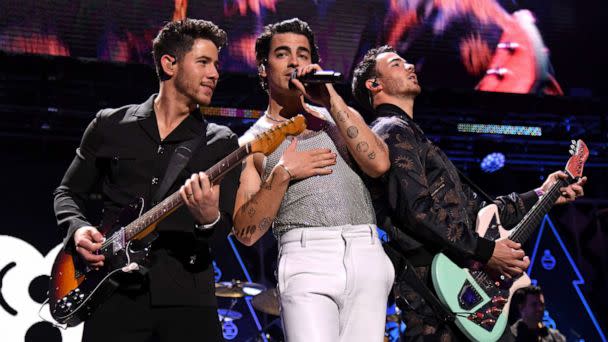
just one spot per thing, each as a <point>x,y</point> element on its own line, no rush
<point>255,216</point>
<point>368,150</point>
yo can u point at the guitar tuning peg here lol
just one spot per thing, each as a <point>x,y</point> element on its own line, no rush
<point>572,152</point>
<point>573,142</point>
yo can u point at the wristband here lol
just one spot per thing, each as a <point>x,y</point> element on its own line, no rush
<point>286,170</point>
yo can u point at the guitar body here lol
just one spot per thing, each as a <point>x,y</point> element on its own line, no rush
<point>480,301</point>
<point>76,290</point>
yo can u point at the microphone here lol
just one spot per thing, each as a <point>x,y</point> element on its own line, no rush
<point>325,76</point>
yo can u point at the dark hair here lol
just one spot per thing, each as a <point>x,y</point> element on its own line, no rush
<point>176,39</point>
<point>293,25</point>
<point>519,297</point>
<point>365,70</point>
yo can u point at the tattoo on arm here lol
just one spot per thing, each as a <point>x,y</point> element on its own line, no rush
<point>371,155</point>
<point>249,197</point>
<point>362,147</point>
<point>265,223</point>
<point>352,132</point>
<point>246,232</point>
<point>341,115</point>
<point>379,143</point>
<point>266,185</point>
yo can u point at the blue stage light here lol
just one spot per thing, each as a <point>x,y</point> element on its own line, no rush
<point>493,162</point>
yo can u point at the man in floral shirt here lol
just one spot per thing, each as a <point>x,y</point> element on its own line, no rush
<point>421,202</point>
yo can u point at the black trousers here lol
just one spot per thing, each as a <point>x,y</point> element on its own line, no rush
<point>128,316</point>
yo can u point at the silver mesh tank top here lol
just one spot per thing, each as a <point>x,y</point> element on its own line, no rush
<point>336,199</point>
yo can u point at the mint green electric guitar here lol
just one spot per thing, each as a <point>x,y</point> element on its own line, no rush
<point>480,301</point>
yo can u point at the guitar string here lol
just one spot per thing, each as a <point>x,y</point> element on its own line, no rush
<point>151,214</point>
<point>215,168</point>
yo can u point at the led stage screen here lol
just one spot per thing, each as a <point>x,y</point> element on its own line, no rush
<point>508,46</point>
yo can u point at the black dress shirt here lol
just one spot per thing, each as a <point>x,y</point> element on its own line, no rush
<point>122,156</point>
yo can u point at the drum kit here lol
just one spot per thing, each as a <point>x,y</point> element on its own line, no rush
<point>264,300</point>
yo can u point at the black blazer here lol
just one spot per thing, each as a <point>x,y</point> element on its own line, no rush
<point>122,156</point>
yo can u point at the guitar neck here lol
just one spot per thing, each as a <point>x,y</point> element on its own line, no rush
<point>524,229</point>
<point>174,201</point>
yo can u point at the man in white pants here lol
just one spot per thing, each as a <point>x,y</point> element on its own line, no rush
<point>333,275</point>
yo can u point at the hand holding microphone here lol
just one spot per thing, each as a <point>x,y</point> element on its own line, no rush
<point>315,83</point>
<point>322,76</point>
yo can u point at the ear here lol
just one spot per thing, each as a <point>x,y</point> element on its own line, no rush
<point>168,64</point>
<point>373,86</point>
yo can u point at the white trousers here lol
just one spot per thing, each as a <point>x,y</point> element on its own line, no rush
<point>333,284</point>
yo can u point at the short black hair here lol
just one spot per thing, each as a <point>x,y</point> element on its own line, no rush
<point>177,37</point>
<point>365,70</point>
<point>519,297</point>
<point>293,25</point>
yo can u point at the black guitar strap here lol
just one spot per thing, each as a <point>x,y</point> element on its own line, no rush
<point>408,275</point>
<point>179,160</point>
<point>474,186</point>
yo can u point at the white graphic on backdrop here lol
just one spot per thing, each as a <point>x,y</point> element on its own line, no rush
<point>25,269</point>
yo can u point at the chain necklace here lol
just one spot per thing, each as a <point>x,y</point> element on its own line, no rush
<point>273,119</point>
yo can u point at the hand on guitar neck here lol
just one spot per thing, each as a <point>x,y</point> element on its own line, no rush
<point>201,198</point>
<point>508,259</point>
<point>568,193</point>
<point>87,240</point>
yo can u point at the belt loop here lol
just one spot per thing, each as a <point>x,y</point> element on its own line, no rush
<point>373,232</point>
<point>303,238</point>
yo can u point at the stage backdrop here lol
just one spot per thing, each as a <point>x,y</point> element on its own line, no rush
<point>495,45</point>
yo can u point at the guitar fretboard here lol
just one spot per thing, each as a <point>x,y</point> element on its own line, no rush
<point>524,229</point>
<point>174,201</point>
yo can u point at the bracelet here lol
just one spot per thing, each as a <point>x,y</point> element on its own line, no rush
<point>539,192</point>
<point>286,170</point>
<point>208,225</point>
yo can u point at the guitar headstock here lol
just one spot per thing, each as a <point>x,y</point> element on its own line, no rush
<point>268,141</point>
<point>580,153</point>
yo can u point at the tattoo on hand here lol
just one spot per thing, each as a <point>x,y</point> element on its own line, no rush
<point>362,147</point>
<point>251,211</point>
<point>372,155</point>
<point>341,115</point>
<point>352,132</point>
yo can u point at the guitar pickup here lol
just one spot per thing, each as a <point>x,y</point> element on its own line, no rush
<point>118,241</point>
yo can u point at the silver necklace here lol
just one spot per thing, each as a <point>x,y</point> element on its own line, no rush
<point>273,119</point>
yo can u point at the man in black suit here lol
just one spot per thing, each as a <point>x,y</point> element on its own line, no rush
<point>124,154</point>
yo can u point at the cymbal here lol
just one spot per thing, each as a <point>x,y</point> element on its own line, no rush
<point>267,302</point>
<point>229,315</point>
<point>237,289</point>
